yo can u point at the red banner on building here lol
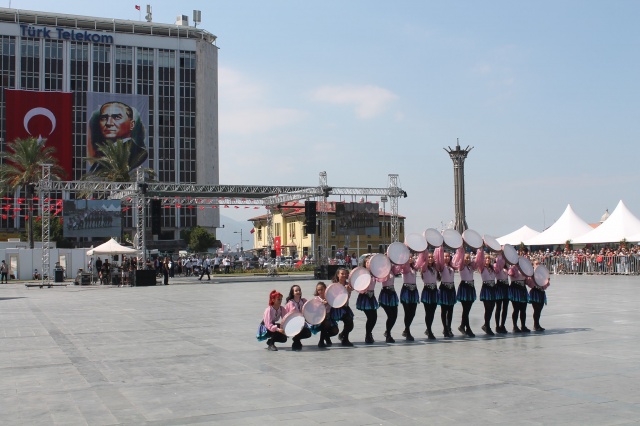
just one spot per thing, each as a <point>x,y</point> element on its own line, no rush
<point>42,115</point>
<point>277,245</point>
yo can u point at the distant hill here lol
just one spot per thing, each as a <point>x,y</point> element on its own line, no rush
<point>227,236</point>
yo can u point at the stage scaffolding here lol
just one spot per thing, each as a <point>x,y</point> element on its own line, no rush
<point>139,193</point>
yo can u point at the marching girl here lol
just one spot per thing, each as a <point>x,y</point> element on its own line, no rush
<point>447,291</point>
<point>368,304</point>
<point>328,328</point>
<point>295,302</point>
<point>519,299</point>
<point>537,298</point>
<point>429,298</point>
<point>466,290</point>
<point>409,296</point>
<point>488,292</point>
<point>501,293</point>
<point>269,329</point>
<point>344,314</point>
<point>388,299</point>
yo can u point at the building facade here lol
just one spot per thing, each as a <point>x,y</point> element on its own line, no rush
<point>288,225</point>
<point>174,66</point>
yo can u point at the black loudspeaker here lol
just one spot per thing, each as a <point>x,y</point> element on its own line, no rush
<point>310,208</point>
<point>273,254</point>
<point>156,217</point>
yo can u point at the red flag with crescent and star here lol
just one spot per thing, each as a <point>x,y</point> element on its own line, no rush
<point>42,115</point>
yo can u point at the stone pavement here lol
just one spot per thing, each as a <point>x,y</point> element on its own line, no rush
<point>187,354</point>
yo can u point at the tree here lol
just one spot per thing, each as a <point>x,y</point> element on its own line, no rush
<point>55,232</point>
<point>22,168</point>
<point>113,164</point>
<point>200,240</point>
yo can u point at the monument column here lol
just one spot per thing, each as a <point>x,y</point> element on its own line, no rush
<point>458,156</point>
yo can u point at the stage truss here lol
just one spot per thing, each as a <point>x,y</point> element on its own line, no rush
<point>139,193</point>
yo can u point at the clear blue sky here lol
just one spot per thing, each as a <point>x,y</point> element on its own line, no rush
<point>546,92</point>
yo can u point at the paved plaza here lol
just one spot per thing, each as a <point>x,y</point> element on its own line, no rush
<point>187,354</point>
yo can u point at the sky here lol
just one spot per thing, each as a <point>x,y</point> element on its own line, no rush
<point>547,93</point>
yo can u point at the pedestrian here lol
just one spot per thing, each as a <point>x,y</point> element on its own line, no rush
<point>4,270</point>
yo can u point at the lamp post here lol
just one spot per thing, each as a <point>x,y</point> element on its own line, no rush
<point>241,240</point>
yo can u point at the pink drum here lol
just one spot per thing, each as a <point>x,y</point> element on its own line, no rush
<point>337,295</point>
<point>452,239</point>
<point>292,323</point>
<point>492,243</point>
<point>380,266</point>
<point>360,278</point>
<point>525,266</point>
<point>416,242</point>
<point>433,237</point>
<point>510,254</point>
<point>472,239</point>
<point>541,275</point>
<point>398,253</point>
<point>314,311</point>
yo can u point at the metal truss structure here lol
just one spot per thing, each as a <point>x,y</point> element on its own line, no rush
<point>140,192</point>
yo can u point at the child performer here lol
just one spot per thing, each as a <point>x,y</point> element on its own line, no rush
<point>269,328</point>
<point>295,302</point>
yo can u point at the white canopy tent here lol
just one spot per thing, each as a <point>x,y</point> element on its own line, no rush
<point>518,236</point>
<point>111,247</point>
<point>621,224</point>
<point>568,227</point>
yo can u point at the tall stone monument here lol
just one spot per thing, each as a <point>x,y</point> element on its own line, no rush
<point>458,156</point>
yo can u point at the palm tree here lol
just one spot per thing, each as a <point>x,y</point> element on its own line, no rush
<point>22,168</point>
<point>113,165</point>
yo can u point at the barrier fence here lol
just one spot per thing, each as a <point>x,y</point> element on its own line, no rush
<point>595,264</point>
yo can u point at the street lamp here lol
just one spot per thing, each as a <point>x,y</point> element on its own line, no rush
<point>241,239</point>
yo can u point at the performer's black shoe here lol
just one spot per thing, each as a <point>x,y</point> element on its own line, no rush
<point>469,333</point>
<point>389,339</point>
<point>296,346</point>
<point>516,329</point>
<point>346,342</point>
<point>538,328</point>
<point>404,333</point>
<point>321,344</point>
<point>327,341</point>
<point>430,336</point>
<point>525,329</point>
<point>426,332</point>
<point>369,338</point>
<point>445,332</point>
<point>408,336</point>
<point>488,330</point>
<point>451,332</point>
<point>340,335</point>
<point>503,329</point>
<point>461,329</point>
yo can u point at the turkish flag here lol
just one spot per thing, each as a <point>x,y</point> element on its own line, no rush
<point>277,245</point>
<point>45,115</point>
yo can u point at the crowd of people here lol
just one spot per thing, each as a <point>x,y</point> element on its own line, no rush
<point>502,283</point>
<point>608,260</point>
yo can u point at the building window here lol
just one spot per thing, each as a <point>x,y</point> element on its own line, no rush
<point>101,68</point>
<point>30,64</point>
<point>53,65</point>
<point>292,230</point>
<point>124,69</point>
<point>368,248</point>
<point>276,231</point>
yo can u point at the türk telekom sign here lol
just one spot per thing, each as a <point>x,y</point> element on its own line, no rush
<point>64,34</point>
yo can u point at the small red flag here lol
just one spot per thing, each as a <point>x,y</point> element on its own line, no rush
<point>137,7</point>
<point>252,230</point>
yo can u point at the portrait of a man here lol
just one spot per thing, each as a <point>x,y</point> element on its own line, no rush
<point>117,122</point>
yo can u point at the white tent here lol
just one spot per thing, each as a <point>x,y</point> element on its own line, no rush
<point>621,224</point>
<point>111,247</point>
<point>568,227</point>
<point>518,236</point>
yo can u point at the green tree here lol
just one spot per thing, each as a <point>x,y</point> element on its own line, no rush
<point>55,232</point>
<point>200,239</point>
<point>113,165</point>
<point>22,168</point>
